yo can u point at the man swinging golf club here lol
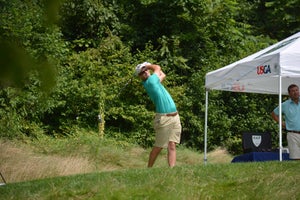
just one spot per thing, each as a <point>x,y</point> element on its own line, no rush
<point>166,123</point>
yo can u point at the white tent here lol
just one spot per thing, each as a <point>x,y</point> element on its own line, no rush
<point>269,71</point>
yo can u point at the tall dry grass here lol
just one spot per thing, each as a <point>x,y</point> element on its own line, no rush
<point>20,163</point>
<point>23,161</point>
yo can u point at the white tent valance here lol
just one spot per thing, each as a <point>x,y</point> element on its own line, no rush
<point>269,71</point>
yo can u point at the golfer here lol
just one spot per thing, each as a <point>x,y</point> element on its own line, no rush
<point>291,112</point>
<point>166,122</point>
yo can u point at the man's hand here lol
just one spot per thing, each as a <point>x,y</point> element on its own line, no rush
<point>157,70</point>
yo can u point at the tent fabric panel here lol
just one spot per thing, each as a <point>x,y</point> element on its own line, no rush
<point>263,86</point>
<point>243,77</point>
<point>260,69</point>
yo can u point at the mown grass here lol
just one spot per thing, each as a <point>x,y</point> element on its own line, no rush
<point>87,167</point>
<point>269,180</point>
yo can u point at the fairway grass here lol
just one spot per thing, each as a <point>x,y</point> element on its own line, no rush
<point>264,180</point>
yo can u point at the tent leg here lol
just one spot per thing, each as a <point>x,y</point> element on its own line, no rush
<point>280,119</point>
<point>205,129</point>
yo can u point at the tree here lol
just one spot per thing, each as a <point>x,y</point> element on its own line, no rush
<point>30,50</point>
<point>89,49</point>
<point>276,19</point>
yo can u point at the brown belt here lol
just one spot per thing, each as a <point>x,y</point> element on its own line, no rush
<point>168,114</point>
<point>294,131</point>
<point>172,114</point>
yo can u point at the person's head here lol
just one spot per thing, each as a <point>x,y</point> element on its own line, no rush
<point>142,71</point>
<point>293,90</point>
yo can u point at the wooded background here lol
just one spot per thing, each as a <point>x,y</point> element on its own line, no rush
<point>66,62</point>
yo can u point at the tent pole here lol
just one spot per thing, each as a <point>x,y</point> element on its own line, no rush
<point>280,118</point>
<point>205,129</point>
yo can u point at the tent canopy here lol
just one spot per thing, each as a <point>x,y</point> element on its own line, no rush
<point>265,72</point>
<point>259,72</point>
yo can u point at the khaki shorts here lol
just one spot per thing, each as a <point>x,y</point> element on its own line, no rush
<point>167,129</point>
<point>293,140</point>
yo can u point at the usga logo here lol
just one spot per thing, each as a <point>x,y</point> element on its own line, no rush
<point>263,69</point>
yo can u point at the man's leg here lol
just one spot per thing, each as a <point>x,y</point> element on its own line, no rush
<point>153,155</point>
<point>293,145</point>
<point>172,154</point>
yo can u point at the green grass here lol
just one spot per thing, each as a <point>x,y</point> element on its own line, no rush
<point>268,180</point>
<point>87,167</point>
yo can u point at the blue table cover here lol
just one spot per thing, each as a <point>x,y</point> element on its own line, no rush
<point>260,157</point>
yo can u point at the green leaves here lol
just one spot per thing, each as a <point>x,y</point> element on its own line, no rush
<point>73,60</point>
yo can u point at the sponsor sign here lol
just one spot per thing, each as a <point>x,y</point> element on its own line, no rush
<point>256,139</point>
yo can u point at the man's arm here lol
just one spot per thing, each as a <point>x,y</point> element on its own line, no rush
<point>276,118</point>
<point>157,70</point>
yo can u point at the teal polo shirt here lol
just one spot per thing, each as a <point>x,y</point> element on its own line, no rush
<point>291,113</point>
<point>159,95</point>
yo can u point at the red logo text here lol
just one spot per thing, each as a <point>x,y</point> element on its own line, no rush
<point>263,69</point>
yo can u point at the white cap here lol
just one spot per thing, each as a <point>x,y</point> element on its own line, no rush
<point>141,67</point>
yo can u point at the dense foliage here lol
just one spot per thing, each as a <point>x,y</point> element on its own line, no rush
<point>70,63</point>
